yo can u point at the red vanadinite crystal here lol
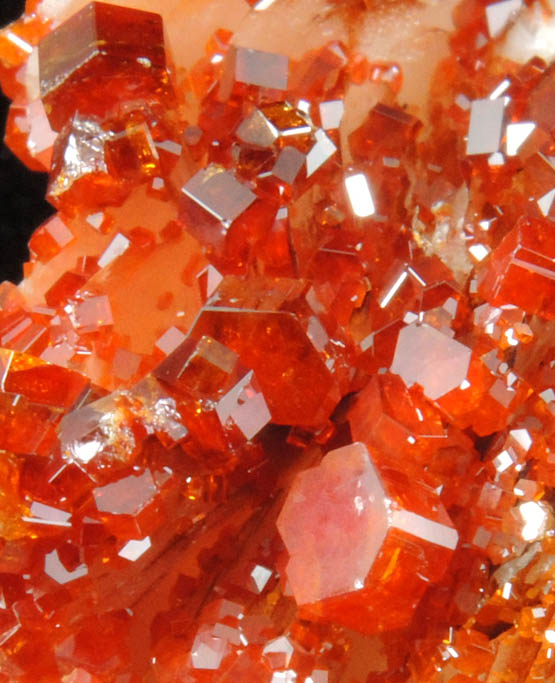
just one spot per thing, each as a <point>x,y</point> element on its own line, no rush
<point>277,396</point>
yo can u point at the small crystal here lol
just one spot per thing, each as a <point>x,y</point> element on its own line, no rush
<point>117,247</point>
<point>359,195</point>
<point>425,356</point>
<point>264,69</point>
<point>331,113</point>
<point>132,550</point>
<point>288,164</point>
<point>486,121</point>
<point>323,150</point>
<point>219,193</point>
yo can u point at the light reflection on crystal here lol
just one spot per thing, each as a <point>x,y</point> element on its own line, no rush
<point>54,568</point>
<point>359,195</point>
<point>46,514</point>
<point>516,135</point>
<point>134,549</point>
<point>219,193</point>
<point>261,68</point>
<point>323,150</point>
<point>170,340</point>
<point>331,113</point>
<point>486,121</point>
<point>535,520</point>
<point>257,130</point>
<point>288,164</point>
<point>207,652</point>
<point>117,247</point>
<point>427,357</point>
<point>126,496</point>
<point>498,15</point>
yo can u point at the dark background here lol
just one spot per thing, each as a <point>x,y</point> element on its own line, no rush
<point>22,205</point>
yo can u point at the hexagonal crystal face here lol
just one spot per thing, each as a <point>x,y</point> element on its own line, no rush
<point>363,545</point>
<point>342,493</point>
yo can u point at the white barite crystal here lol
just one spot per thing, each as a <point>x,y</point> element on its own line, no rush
<point>264,69</point>
<point>219,193</point>
<point>170,340</point>
<point>486,122</point>
<point>498,15</point>
<point>117,247</point>
<point>288,164</point>
<point>54,568</point>
<point>132,550</point>
<point>257,130</point>
<point>425,356</point>
<point>359,195</point>
<point>426,529</point>
<point>245,407</point>
<point>323,150</point>
<point>331,113</point>
<point>516,134</point>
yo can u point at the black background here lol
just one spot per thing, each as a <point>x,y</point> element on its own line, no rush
<point>22,205</point>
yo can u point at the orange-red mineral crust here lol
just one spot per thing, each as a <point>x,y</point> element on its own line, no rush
<point>277,390</point>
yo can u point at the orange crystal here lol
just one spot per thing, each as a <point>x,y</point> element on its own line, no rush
<point>276,390</point>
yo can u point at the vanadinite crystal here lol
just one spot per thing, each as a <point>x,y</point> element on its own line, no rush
<point>277,390</point>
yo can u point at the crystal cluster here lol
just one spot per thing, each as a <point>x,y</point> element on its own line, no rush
<point>277,393</point>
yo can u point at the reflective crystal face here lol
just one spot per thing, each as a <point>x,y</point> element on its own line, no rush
<point>261,68</point>
<point>343,492</point>
<point>342,504</point>
<point>219,193</point>
<point>425,356</point>
<point>99,40</point>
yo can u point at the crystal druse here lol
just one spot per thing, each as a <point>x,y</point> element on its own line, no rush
<point>277,390</point>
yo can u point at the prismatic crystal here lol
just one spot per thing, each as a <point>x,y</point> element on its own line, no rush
<point>277,395</point>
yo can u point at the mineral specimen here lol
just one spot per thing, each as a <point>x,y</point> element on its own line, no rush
<point>277,393</point>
